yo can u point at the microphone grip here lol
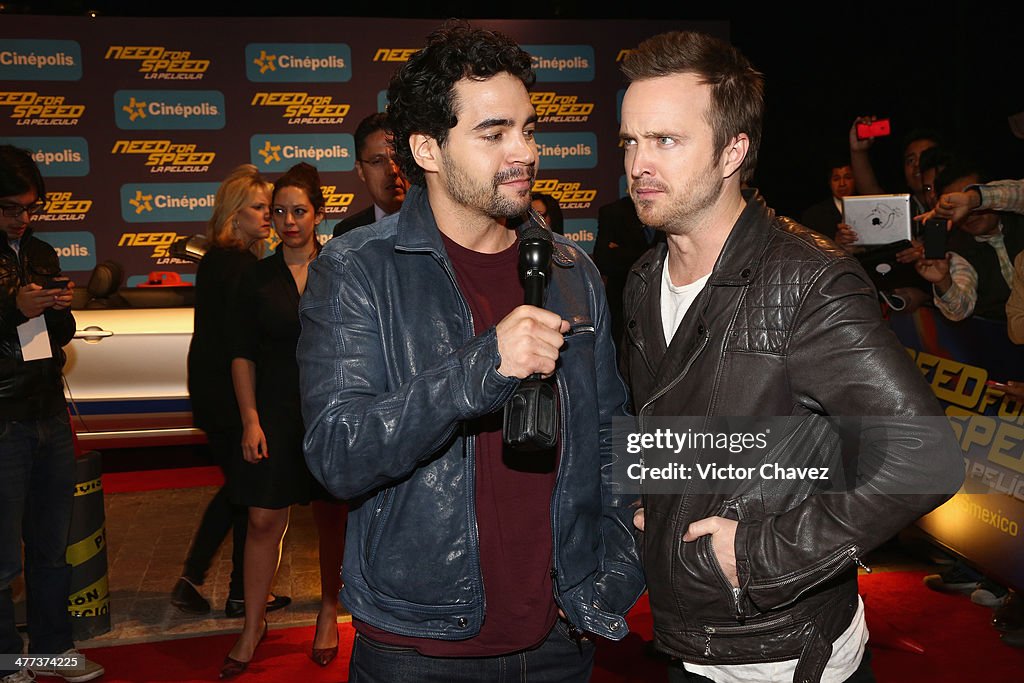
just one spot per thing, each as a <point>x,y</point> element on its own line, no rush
<point>533,288</point>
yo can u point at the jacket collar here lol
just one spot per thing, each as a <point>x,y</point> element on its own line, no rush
<point>735,265</point>
<point>418,231</point>
<point>745,244</point>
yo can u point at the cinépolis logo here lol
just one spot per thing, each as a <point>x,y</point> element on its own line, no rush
<point>57,157</point>
<point>298,62</point>
<point>169,109</point>
<point>77,250</point>
<point>328,152</point>
<point>40,60</point>
<point>567,150</point>
<point>562,63</point>
<point>170,202</point>
<point>159,63</point>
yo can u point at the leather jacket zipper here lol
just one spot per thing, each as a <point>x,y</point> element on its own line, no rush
<point>686,368</point>
<point>737,630</point>
<point>737,593</point>
<point>839,560</point>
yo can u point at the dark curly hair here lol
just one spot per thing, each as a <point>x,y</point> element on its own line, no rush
<point>421,93</point>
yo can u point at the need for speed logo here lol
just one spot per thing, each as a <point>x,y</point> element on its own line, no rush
<point>166,156</point>
<point>554,108</point>
<point>159,63</point>
<point>32,109</point>
<point>302,108</point>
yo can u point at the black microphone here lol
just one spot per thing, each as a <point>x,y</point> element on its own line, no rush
<point>535,248</point>
<point>531,414</point>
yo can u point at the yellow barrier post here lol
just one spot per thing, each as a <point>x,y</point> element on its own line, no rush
<point>89,600</point>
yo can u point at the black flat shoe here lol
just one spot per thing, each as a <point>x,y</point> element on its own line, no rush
<point>236,608</point>
<point>186,598</point>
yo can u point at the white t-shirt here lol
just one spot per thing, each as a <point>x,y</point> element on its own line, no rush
<point>676,301</point>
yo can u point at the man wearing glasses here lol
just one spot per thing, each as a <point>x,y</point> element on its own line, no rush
<point>378,172</point>
<point>37,455</point>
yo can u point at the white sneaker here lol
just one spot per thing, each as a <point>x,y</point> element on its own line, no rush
<point>23,676</point>
<point>86,670</point>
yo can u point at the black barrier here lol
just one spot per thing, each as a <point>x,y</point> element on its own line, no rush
<point>89,599</point>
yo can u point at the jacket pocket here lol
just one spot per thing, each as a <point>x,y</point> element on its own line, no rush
<point>725,631</point>
<point>375,528</point>
<point>700,582</point>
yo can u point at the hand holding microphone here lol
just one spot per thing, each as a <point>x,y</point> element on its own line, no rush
<point>528,341</point>
<point>532,338</point>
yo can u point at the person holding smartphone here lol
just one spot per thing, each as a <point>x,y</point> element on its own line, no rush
<point>37,453</point>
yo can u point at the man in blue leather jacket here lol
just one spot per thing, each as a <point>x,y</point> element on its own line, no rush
<point>464,557</point>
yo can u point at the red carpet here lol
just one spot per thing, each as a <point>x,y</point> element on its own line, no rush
<point>959,645</point>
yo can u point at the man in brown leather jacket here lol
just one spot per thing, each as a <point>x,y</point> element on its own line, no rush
<point>750,322</point>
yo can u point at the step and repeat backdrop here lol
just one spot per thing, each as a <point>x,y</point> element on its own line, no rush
<point>965,362</point>
<point>134,122</point>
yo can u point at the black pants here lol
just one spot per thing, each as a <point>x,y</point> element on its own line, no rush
<point>220,517</point>
<point>677,674</point>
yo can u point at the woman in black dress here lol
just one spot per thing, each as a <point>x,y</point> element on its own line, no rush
<point>272,475</point>
<point>235,234</point>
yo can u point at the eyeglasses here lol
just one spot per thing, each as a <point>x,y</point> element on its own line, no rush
<point>378,162</point>
<point>15,210</point>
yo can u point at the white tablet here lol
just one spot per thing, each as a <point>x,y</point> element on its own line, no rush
<point>878,218</point>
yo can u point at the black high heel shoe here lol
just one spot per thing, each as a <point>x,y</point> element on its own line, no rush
<point>232,668</point>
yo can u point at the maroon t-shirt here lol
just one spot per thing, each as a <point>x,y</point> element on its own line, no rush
<point>513,497</point>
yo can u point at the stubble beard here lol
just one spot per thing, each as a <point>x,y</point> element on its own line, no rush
<point>488,198</point>
<point>683,213</point>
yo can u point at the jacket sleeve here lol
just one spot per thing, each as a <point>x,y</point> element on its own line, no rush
<point>621,581</point>
<point>845,361</point>
<point>365,428</point>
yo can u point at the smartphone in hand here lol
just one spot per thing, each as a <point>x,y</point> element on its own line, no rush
<point>875,129</point>
<point>934,236</point>
<point>54,283</point>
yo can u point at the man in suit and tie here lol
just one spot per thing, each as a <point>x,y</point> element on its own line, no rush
<point>378,171</point>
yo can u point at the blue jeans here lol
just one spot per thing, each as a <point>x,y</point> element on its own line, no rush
<point>37,487</point>
<point>559,659</point>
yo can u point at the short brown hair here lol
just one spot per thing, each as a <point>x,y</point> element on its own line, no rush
<point>737,89</point>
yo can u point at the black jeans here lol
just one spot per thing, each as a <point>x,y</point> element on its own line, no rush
<point>677,674</point>
<point>221,516</point>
